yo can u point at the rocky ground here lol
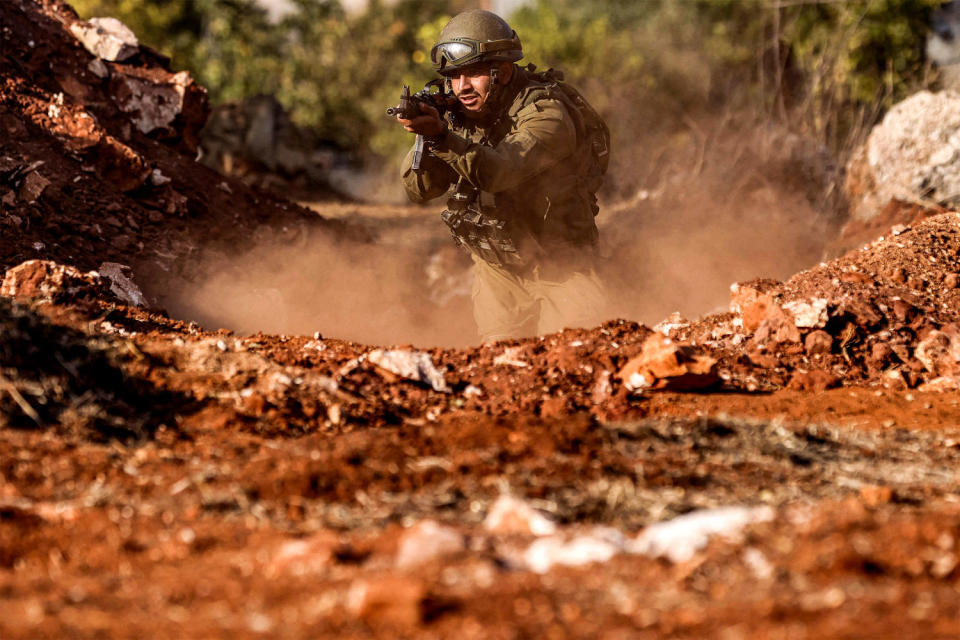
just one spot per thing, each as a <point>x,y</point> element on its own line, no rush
<point>781,469</point>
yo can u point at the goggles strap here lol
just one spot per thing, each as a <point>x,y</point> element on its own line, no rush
<point>440,50</point>
<point>499,45</point>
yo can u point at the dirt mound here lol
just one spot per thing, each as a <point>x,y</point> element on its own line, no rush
<point>96,157</point>
<point>867,317</point>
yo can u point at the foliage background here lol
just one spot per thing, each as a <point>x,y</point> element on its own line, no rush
<point>655,68</point>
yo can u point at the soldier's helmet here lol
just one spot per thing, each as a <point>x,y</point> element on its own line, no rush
<point>475,36</point>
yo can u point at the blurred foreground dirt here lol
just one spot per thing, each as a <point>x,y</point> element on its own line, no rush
<point>784,469</point>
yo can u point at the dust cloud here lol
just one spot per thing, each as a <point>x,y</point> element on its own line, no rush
<point>754,202</point>
<point>750,206</point>
<point>404,288</point>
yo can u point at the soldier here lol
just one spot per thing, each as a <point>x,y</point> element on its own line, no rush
<point>523,161</point>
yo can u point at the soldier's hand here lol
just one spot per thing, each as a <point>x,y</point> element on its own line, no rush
<point>428,123</point>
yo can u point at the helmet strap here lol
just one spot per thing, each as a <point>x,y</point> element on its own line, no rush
<point>494,76</point>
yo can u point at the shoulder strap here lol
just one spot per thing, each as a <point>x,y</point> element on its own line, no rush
<point>545,85</point>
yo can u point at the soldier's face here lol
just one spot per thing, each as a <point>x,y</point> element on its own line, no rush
<point>472,85</point>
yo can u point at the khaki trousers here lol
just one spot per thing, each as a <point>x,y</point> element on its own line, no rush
<point>507,305</point>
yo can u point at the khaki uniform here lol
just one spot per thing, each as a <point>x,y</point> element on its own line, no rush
<point>524,164</point>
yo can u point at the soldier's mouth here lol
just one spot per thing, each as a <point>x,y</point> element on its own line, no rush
<point>469,100</point>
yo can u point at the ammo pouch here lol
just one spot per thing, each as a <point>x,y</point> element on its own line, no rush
<point>482,234</point>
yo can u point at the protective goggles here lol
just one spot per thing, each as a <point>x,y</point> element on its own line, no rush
<point>459,52</point>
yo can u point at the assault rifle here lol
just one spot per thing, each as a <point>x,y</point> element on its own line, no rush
<point>434,94</point>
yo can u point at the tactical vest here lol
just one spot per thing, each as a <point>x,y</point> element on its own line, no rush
<point>553,210</point>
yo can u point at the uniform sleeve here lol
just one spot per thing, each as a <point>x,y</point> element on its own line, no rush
<point>544,135</point>
<point>431,181</point>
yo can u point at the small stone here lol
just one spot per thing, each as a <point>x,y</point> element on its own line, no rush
<point>157,178</point>
<point>106,38</point>
<point>808,315</point>
<point>855,277</point>
<point>121,283</point>
<point>903,311</point>
<point>472,391</point>
<point>820,600</point>
<point>511,358</point>
<point>413,365</point>
<point>680,539</point>
<point>874,495</point>
<point>312,555</point>
<point>818,342</point>
<point>664,364</point>
<point>387,600</point>
<point>599,546</point>
<point>151,105</point>
<point>602,389</point>
<point>426,541</point>
<point>880,354</point>
<point>120,165</point>
<point>98,68</point>
<point>894,379</point>
<point>815,381</point>
<point>33,187</point>
<point>512,515</point>
<point>553,407</point>
<point>951,281</point>
<point>943,566</point>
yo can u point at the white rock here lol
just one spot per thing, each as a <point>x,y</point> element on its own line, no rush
<point>425,541</point>
<point>758,563</point>
<point>413,365</point>
<point>512,515</point>
<point>671,323</point>
<point>157,178</point>
<point>472,391</point>
<point>808,315</point>
<point>638,382</point>
<point>599,546</point>
<point>913,154</point>
<point>511,357</point>
<point>679,539</point>
<point>106,38</point>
